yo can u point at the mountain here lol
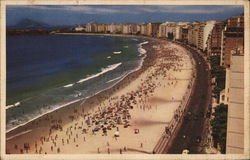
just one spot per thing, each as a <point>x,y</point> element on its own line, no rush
<point>30,24</point>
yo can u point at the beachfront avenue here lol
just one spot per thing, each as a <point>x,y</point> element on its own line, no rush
<point>193,133</point>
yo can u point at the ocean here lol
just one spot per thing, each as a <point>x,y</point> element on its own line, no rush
<point>46,72</point>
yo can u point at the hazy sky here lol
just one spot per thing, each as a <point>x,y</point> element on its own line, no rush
<point>61,15</point>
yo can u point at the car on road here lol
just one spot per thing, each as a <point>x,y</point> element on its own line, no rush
<point>202,114</point>
<point>198,139</point>
<point>208,114</point>
<point>185,151</point>
<point>187,118</point>
<point>195,117</point>
<point>184,136</point>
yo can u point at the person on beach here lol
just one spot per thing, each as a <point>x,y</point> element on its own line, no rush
<point>16,147</point>
<point>138,97</point>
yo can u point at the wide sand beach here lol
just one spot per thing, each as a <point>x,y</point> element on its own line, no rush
<point>130,117</point>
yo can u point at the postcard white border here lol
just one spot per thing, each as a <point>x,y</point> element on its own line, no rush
<point>3,4</point>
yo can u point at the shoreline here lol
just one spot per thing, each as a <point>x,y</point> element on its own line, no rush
<point>72,102</point>
<point>115,35</point>
<point>40,125</point>
<point>83,100</point>
<point>105,34</point>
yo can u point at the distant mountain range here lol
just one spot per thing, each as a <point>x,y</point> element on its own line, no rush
<point>32,24</point>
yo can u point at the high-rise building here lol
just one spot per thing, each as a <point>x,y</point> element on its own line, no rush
<point>126,29</point>
<point>209,25</point>
<point>92,27</point>
<point>102,28</point>
<point>153,29</point>
<point>162,30</point>
<point>235,120</point>
<point>193,33</point>
<point>214,40</point>
<point>115,28</point>
<point>181,31</point>
<point>232,39</point>
<point>143,29</point>
<point>200,35</point>
<point>232,58</point>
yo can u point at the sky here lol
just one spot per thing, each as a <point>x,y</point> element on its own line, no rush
<point>82,14</point>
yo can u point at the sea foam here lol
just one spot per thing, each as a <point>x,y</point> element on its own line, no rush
<point>118,52</point>
<point>19,134</point>
<point>13,105</point>
<point>140,49</point>
<point>55,107</point>
<point>69,85</point>
<point>104,70</point>
<point>115,79</point>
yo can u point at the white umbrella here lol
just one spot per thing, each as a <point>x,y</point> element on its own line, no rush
<point>117,134</point>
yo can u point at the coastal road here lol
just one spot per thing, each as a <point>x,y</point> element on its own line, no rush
<point>192,131</point>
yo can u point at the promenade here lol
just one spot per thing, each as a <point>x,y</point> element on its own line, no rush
<point>192,132</point>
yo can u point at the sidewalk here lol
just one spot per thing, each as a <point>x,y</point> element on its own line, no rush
<point>207,145</point>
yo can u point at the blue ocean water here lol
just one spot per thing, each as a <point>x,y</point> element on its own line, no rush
<point>45,72</point>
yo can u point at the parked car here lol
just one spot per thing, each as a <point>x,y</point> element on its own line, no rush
<point>198,139</point>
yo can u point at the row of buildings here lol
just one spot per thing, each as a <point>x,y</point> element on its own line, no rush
<point>214,38</point>
<point>147,29</point>
<point>232,58</point>
<point>207,36</point>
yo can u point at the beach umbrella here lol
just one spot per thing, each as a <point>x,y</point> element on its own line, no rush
<point>116,134</point>
<point>136,131</point>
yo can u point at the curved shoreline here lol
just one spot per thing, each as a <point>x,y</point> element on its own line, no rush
<point>98,95</point>
<point>107,34</point>
<point>164,65</point>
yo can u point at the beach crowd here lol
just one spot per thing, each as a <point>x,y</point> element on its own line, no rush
<point>114,112</point>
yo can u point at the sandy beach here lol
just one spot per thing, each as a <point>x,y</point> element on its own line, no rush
<point>127,118</point>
